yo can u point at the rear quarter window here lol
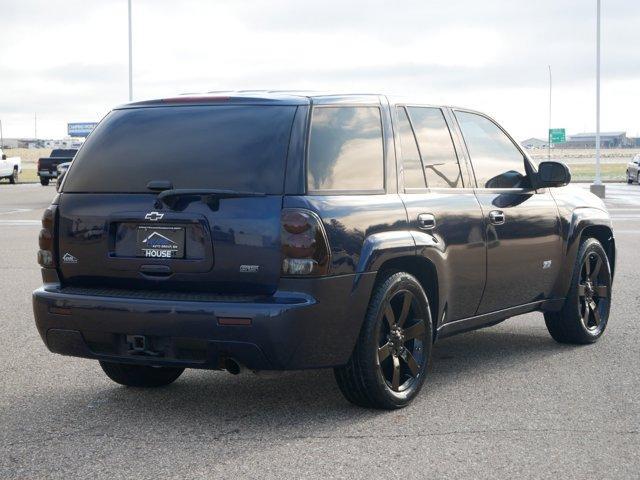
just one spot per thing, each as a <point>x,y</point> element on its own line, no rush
<point>345,150</point>
<point>229,147</point>
<point>436,148</point>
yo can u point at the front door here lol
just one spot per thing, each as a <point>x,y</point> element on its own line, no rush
<point>522,225</point>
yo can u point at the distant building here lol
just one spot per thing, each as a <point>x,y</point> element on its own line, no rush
<point>24,142</point>
<point>588,140</point>
<point>9,143</point>
<point>532,143</point>
<point>68,142</point>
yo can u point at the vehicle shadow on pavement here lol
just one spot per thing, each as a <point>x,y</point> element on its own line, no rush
<point>218,405</point>
<point>207,395</point>
<point>490,349</point>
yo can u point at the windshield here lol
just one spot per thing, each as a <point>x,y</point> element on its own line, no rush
<point>228,147</point>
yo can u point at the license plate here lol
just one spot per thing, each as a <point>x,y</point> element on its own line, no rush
<point>160,242</point>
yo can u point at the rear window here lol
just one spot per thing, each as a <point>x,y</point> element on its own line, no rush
<point>345,149</point>
<point>63,153</point>
<point>228,147</point>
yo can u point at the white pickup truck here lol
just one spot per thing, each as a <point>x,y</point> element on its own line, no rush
<point>10,167</point>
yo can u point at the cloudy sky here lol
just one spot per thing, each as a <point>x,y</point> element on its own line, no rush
<point>67,60</point>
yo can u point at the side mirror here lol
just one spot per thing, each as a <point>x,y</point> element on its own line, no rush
<point>553,174</point>
<point>4,156</point>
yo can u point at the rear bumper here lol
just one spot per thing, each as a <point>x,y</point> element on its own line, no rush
<point>47,174</point>
<point>311,323</point>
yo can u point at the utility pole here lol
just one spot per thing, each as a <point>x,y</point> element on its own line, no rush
<point>130,57</point>
<point>598,187</point>
<point>549,134</point>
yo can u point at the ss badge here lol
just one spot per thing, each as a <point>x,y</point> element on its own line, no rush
<point>249,268</point>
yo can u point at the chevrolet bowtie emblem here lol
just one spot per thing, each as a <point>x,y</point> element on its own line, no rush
<point>154,216</point>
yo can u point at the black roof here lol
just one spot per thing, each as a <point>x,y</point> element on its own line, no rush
<point>261,97</point>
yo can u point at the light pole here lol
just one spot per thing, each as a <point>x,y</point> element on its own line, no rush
<point>130,57</point>
<point>549,134</point>
<point>598,187</point>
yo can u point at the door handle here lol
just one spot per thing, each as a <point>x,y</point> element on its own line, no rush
<point>426,221</point>
<point>496,217</point>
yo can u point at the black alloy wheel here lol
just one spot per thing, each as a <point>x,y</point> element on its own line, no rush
<point>401,357</point>
<point>593,291</point>
<point>389,362</point>
<point>585,313</point>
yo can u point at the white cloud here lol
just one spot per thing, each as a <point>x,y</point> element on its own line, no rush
<point>67,60</point>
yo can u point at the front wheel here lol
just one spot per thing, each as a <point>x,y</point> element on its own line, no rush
<point>388,365</point>
<point>629,177</point>
<point>44,181</point>
<point>585,313</point>
<point>141,375</point>
<point>13,179</point>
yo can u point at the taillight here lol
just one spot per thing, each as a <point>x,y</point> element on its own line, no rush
<point>305,248</point>
<point>46,256</point>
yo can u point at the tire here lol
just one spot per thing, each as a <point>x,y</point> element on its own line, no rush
<point>13,179</point>
<point>388,365</point>
<point>141,375</point>
<point>629,177</point>
<point>638,179</point>
<point>585,313</point>
<point>44,181</point>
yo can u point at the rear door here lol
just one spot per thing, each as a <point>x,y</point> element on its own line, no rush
<point>113,231</point>
<point>522,225</point>
<point>442,208</point>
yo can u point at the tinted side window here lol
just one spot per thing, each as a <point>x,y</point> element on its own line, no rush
<point>436,147</point>
<point>411,164</point>
<point>497,162</point>
<point>345,149</point>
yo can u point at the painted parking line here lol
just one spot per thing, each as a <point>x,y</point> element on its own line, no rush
<point>20,223</point>
<point>16,210</point>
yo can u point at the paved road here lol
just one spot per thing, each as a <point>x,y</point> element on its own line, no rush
<point>504,402</point>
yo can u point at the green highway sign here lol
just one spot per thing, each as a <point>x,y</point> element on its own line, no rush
<point>557,135</point>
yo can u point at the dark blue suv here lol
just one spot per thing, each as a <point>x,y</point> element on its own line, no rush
<point>274,230</point>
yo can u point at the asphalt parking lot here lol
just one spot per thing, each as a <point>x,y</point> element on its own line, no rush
<point>503,402</point>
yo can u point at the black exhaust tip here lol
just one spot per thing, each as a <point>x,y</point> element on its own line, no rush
<point>232,366</point>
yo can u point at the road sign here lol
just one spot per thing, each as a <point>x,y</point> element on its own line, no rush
<point>557,135</point>
<point>80,129</point>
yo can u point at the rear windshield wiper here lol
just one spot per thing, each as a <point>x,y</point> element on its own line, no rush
<point>170,197</point>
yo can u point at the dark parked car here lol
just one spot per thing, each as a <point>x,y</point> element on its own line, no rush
<point>280,231</point>
<point>47,167</point>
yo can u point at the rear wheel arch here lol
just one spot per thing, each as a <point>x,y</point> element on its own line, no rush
<point>425,272</point>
